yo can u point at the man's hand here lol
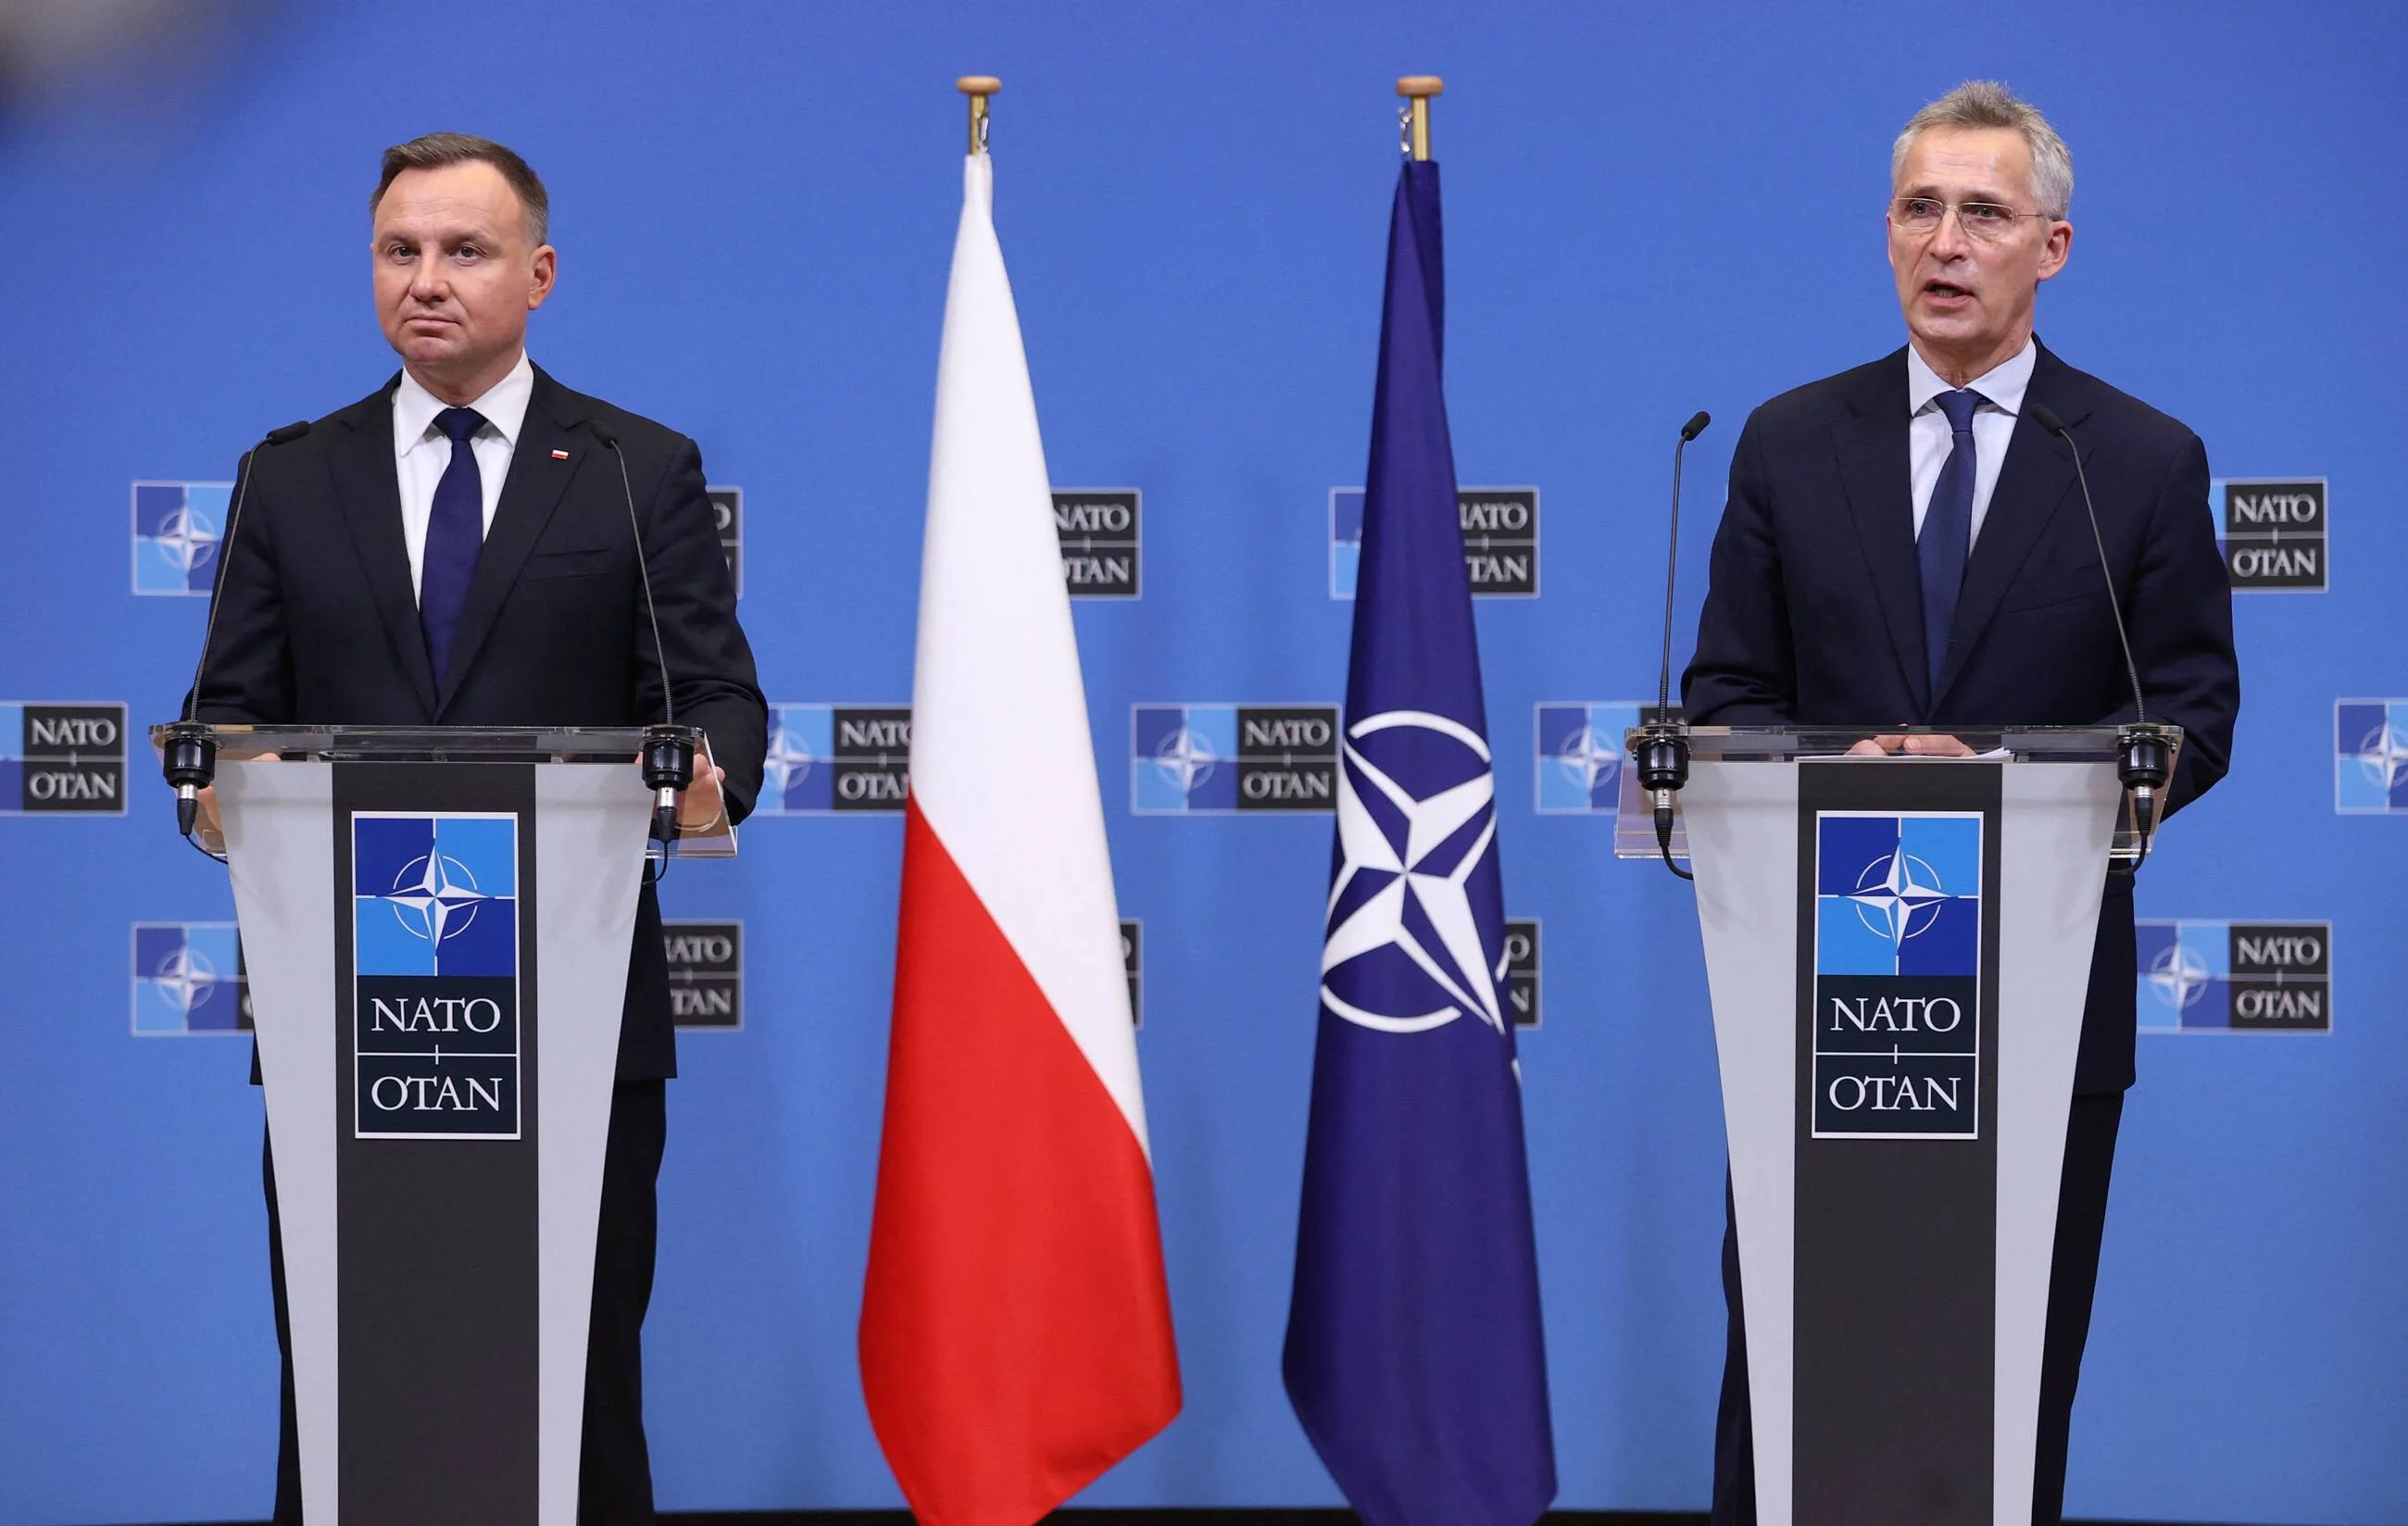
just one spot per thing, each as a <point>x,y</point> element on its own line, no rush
<point>1913,746</point>
<point>701,808</point>
<point>208,830</point>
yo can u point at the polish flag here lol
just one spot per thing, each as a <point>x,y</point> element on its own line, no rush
<point>1015,1328</point>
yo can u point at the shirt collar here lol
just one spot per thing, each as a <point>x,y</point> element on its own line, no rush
<point>2002,385</point>
<point>504,405</point>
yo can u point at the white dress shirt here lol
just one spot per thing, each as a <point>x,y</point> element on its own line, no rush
<point>422,451</point>
<point>1928,440</point>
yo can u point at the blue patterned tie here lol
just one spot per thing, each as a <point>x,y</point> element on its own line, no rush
<point>455,532</point>
<point>1947,531</point>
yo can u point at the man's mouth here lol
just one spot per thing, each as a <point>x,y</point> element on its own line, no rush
<point>1946,290</point>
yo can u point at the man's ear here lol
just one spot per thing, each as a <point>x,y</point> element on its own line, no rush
<point>2058,249</point>
<point>547,271</point>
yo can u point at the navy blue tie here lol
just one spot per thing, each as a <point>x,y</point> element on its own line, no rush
<point>455,532</point>
<point>1947,531</point>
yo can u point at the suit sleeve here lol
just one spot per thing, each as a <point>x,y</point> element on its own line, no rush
<point>2178,614</point>
<point>1744,672</point>
<point>709,660</point>
<point>246,678</point>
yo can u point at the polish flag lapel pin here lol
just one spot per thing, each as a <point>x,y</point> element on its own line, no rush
<point>559,455</point>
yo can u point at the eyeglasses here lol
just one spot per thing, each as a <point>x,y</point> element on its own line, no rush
<point>1986,221</point>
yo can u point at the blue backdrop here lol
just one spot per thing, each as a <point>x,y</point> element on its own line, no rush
<point>1650,210</point>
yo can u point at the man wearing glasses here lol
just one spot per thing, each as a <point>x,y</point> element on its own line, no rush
<point>1904,543</point>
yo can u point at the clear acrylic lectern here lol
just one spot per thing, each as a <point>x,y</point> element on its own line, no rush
<point>437,925</point>
<point>1898,950</point>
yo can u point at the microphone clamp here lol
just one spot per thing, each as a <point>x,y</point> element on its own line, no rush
<point>2143,764</point>
<point>1662,752</point>
<point>189,761</point>
<point>669,767</point>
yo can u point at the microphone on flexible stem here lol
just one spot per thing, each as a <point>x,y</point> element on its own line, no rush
<point>188,757</point>
<point>2146,764</point>
<point>669,748</point>
<point>1661,749</point>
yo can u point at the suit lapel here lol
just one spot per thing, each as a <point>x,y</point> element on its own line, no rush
<point>1873,468</point>
<point>367,488</point>
<point>529,494</point>
<point>2034,483</point>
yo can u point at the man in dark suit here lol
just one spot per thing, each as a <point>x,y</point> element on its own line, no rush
<point>1905,545</point>
<point>455,549</point>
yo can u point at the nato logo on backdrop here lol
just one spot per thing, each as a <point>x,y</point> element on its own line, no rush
<point>62,757</point>
<point>2371,756</point>
<point>1501,540</point>
<point>728,510</point>
<point>1580,753</point>
<point>435,943</point>
<point>706,974</point>
<point>176,530</point>
<point>2227,977</point>
<point>1099,531</point>
<point>1206,760</point>
<point>2273,531</point>
<point>188,979</point>
<point>1897,945</point>
<point>835,758</point>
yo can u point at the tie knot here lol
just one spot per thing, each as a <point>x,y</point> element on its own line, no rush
<point>1959,404</point>
<point>459,423</point>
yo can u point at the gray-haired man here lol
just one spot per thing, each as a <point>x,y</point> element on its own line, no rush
<point>1904,543</point>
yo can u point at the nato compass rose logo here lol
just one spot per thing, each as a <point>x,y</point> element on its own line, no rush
<point>435,897</point>
<point>1405,950</point>
<point>1898,897</point>
<point>177,526</point>
<point>1580,755</point>
<point>2371,756</point>
<point>1186,759</point>
<point>2179,978</point>
<point>188,978</point>
<point>786,771</point>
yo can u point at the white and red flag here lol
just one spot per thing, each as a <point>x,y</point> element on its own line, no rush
<point>1015,1328</point>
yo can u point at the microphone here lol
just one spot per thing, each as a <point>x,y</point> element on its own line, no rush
<point>2148,763</point>
<point>1662,748</point>
<point>669,748</point>
<point>188,758</point>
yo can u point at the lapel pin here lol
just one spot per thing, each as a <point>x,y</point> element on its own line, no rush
<point>559,455</point>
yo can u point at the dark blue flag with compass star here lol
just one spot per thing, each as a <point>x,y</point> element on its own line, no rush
<point>1415,1358</point>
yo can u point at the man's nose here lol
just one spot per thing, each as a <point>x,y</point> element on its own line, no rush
<point>1948,240</point>
<point>426,281</point>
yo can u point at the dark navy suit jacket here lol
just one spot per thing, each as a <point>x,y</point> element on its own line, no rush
<point>1814,615</point>
<point>317,625</point>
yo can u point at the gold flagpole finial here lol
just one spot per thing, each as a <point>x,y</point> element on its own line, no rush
<point>978,87</point>
<point>1419,89</point>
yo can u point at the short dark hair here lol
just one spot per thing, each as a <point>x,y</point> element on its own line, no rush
<point>437,150</point>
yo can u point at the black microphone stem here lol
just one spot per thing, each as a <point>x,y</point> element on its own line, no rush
<point>189,755</point>
<point>2147,765</point>
<point>669,753</point>
<point>1661,750</point>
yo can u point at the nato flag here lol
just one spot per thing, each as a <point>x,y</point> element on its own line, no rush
<point>1416,1358</point>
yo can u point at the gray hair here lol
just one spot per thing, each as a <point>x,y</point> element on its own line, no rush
<point>437,150</point>
<point>1979,104</point>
